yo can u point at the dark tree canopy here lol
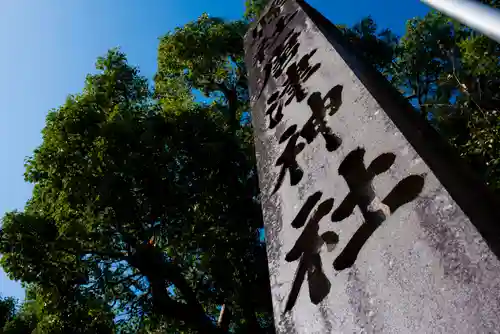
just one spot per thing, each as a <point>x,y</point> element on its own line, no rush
<point>207,55</point>
<point>37,315</point>
<point>145,210</point>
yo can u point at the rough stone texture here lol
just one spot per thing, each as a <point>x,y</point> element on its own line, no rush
<point>431,265</point>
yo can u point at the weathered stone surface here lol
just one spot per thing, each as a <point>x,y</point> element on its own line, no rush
<point>427,267</point>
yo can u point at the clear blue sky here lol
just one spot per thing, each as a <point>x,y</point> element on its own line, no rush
<point>48,46</point>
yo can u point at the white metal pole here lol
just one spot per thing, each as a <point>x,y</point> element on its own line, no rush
<point>472,13</point>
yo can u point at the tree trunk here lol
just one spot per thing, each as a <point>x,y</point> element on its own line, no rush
<point>232,103</point>
<point>152,264</point>
<point>249,309</point>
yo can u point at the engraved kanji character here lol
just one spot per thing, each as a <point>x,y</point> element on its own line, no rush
<point>288,159</point>
<point>281,57</point>
<point>375,212</point>
<point>307,249</point>
<point>276,105</point>
<point>259,32</point>
<point>298,73</point>
<point>317,123</point>
<point>282,23</point>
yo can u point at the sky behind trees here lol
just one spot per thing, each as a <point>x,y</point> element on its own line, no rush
<point>50,46</point>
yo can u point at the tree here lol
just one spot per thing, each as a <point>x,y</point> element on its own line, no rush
<point>142,208</point>
<point>207,55</point>
<point>376,47</point>
<point>253,9</point>
<point>37,315</point>
<point>7,310</point>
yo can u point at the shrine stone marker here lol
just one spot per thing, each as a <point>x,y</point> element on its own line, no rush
<point>372,223</point>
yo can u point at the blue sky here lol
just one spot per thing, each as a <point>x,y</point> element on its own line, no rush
<point>49,46</point>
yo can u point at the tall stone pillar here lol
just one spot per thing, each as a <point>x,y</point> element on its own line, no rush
<point>372,223</point>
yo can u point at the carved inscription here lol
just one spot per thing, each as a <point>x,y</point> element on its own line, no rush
<point>293,74</point>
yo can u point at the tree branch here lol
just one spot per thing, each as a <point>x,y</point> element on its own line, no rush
<point>232,101</point>
<point>124,279</point>
<point>151,262</point>
<point>109,255</point>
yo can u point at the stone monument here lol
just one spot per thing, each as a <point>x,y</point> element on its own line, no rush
<point>372,223</point>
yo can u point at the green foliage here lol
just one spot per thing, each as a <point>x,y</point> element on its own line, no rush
<point>377,47</point>
<point>253,8</point>
<point>7,310</point>
<point>207,55</point>
<point>37,315</point>
<point>140,209</point>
